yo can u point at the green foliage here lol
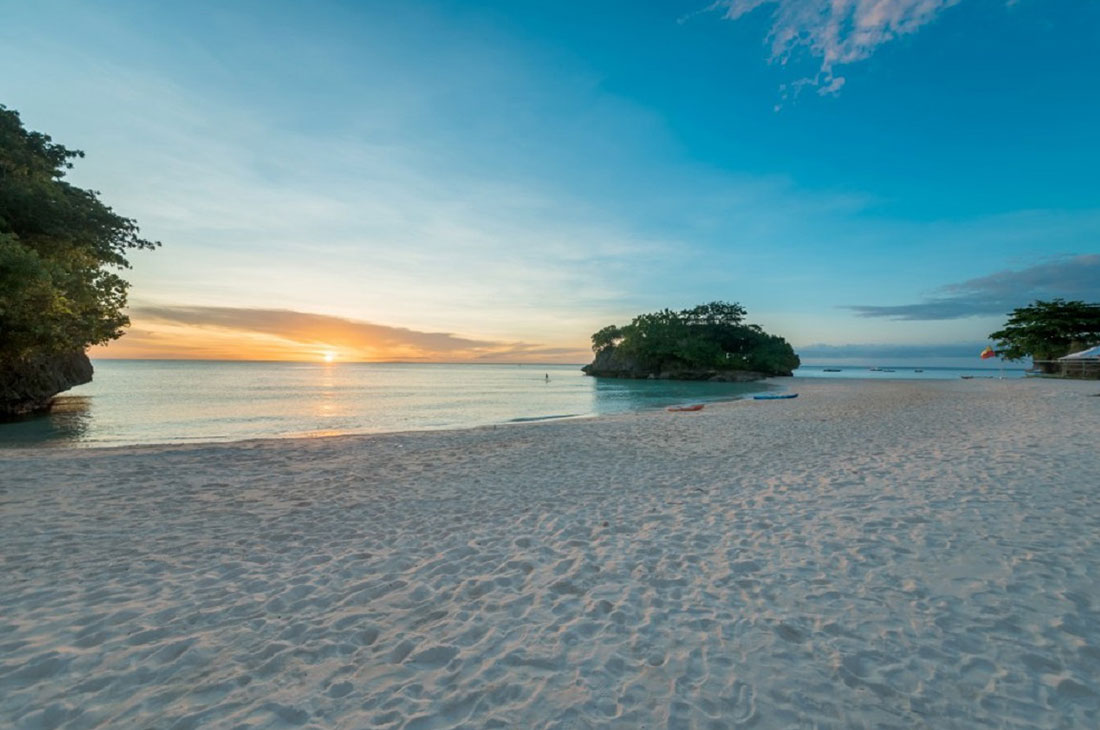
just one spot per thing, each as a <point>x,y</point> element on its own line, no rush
<point>714,314</point>
<point>709,336</point>
<point>57,241</point>
<point>609,336</point>
<point>1048,330</point>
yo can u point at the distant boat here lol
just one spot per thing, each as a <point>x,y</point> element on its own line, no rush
<point>775,396</point>
<point>696,407</point>
<point>918,371</point>
<point>831,370</point>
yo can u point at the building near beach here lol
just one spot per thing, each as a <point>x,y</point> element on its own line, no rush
<point>1084,364</point>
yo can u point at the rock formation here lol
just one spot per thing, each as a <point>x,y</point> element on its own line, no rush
<point>30,384</point>
<point>612,363</point>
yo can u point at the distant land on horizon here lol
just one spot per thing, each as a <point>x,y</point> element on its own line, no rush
<point>966,363</point>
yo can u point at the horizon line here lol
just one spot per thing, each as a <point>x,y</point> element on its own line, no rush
<point>322,362</point>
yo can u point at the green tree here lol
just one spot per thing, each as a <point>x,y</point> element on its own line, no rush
<point>714,314</point>
<point>59,249</point>
<point>609,336</point>
<point>1047,330</point>
<point>654,339</point>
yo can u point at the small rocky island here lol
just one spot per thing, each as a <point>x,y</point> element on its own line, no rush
<point>708,342</point>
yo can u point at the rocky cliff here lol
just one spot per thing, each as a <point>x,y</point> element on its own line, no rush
<point>28,385</point>
<point>611,363</point>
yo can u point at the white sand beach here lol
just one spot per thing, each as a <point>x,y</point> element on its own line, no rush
<point>907,554</point>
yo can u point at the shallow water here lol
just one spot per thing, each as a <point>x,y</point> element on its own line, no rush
<point>906,372</point>
<point>158,401</point>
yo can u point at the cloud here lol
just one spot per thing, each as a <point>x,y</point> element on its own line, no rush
<point>245,333</point>
<point>838,32</point>
<point>316,329</point>
<point>1068,277</point>
<point>417,197</point>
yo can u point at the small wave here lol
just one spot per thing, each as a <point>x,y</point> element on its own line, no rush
<point>542,418</point>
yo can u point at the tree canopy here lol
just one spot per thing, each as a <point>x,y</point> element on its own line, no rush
<point>709,336</point>
<point>58,244</point>
<point>1048,330</point>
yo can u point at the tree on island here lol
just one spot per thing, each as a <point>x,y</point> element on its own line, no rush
<point>58,292</point>
<point>1048,330</point>
<point>704,341</point>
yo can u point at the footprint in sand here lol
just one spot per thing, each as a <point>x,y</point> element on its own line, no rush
<point>434,657</point>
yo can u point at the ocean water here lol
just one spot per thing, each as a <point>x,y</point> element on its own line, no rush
<point>905,372</point>
<point>150,401</point>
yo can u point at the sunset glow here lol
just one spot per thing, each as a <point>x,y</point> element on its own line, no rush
<point>211,333</point>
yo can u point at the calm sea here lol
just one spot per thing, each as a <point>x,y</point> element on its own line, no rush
<point>158,401</point>
<point>151,401</point>
<point>906,372</point>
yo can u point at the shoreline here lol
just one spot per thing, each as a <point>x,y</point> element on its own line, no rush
<point>96,446</point>
<point>872,553</point>
<point>53,442</point>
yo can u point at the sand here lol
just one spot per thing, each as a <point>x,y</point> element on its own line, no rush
<point>871,554</point>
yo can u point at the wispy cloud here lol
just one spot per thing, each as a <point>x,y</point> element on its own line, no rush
<point>1070,277</point>
<point>245,333</point>
<point>838,32</point>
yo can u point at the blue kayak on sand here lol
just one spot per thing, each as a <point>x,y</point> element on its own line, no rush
<point>776,396</point>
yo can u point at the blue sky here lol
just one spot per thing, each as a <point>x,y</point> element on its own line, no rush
<point>460,180</point>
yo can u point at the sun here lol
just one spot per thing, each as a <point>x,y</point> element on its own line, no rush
<point>328,356</point>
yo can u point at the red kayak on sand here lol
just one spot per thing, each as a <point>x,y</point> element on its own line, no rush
<point>697,407</point>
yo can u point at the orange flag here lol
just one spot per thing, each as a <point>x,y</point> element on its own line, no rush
<point>988,353</point>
